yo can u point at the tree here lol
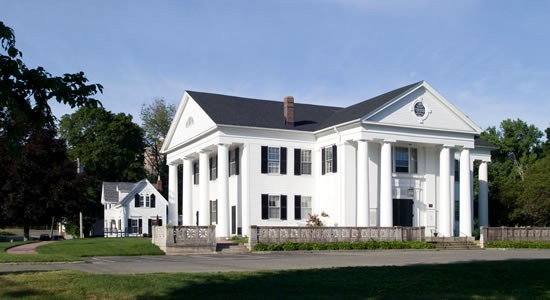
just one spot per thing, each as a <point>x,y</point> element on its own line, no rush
<point>40,185</point>
<point>534,206</point>
<point>519,147</point>
<point>109,146</point>
<point>157,118</point>
<point>25,92</point>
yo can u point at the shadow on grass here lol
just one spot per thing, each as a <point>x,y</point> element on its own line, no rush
<point>500,279</point>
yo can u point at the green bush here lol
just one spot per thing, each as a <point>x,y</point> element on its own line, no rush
<point>371,245</point>
<point>519,244</point>
<point>6,233</point>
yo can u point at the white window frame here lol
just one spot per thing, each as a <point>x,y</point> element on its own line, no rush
<point>305,162</point>
<point>412,160</point>
<point>328,160</point>
<point>273,160</point>
<point>274,207</point>
<point>305,210</point>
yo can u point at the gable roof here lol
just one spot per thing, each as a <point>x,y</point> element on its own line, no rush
<point>232,110</point>
<point>111,190</point>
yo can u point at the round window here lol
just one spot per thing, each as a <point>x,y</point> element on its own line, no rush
<point>419,109</point>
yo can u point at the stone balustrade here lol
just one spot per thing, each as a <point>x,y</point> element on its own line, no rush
<point>184,239</point>
<point>273,234</point>
<point>535,234</point>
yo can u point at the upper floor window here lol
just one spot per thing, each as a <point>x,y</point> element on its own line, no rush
<point>405,160</point>
<point>195,173</point>
<point>213,168</point>
<point>234,162</point>
<point>273,160</point>
<point>329,159</point>
<point>145,200</point>
<point>302,162</point>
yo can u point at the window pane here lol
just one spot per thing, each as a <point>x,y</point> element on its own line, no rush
<point>414,160</point>
<point>328,159</point>
<point>306,162</point>
<point>305,207</point>
<point>401,159</point>
<point>274,209</point>
<point>273,160</point>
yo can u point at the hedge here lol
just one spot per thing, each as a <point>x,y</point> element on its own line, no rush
<point>518,244</point>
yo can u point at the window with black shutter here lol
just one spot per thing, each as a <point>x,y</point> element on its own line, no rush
<point>323,156</point>
<point>136,200</point>
<point>265,206</point>
<point>283,207</point>
<point>297,207</point>
<point>153,198</point>
<point>334,159</point>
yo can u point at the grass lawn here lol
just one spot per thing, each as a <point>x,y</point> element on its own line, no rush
<point>77,249</point>
<point>514,279</point>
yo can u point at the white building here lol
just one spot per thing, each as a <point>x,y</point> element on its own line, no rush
<point>131,209</point>
<point>390,160</point>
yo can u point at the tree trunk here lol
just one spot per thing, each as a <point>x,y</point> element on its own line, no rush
<point>26,230</point>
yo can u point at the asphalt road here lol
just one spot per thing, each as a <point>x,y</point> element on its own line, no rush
<point>277,261</point>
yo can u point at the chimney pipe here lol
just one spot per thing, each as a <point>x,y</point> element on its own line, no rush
<point>289,110</point>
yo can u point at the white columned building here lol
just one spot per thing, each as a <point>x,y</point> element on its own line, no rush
<point>386,161</point>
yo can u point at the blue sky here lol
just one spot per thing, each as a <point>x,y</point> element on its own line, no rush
<point>489,58</point>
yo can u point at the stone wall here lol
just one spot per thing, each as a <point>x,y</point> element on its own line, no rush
<point>536,234</point>
<point>184,239</point>
<point>273,235</point>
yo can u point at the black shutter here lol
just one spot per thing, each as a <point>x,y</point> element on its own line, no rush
<point>140,225</point>
<point>136,200</point>
<point>323,171</point>
<point>129,228</point>
<point>153,198</point>
<point>237,161</point>
<point>297,207</point>
<point>283,207</point>
<point>265,207</point>
<point>264,159</point>
<point>334,159</point>
<point>297,162</point>
<point>283,160</point>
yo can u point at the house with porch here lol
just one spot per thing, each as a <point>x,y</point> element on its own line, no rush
<point>132,208</point>
<point>402,158</point>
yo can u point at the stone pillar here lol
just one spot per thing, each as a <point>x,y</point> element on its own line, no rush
<point>222,230</point>
<point>483,196</point>
<point>444,205</point>
<point>386,201</point>
<point>465,216</point>
<point>187,200</point>
<point>363,209</point>
<point>172,194</point>
<point>204,198</point>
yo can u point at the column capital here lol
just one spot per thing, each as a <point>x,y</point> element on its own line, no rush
<point>175,162</point>
<point>205,151</point>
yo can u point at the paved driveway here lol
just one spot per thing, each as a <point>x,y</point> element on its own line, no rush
<point>278,260</point>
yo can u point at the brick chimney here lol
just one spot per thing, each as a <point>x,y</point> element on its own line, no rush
<point>289,110</point>
<point>159,184</point>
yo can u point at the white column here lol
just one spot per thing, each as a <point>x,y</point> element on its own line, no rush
<point>222,230</point>
<point>465,216</point>
<point>172,194</point>
<point>204,198</point>
<point>362,184</point>
<point>187,199</point>
<point>483,196</point>
<point>245,195</point>
<point>386,201</point>
<point>444,209</point>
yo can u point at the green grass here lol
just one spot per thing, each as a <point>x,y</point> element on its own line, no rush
<point>520,244</point>
<point>514,279</point>
<point>77,249</point>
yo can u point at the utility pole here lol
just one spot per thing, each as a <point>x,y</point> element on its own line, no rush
<point>78,172</point>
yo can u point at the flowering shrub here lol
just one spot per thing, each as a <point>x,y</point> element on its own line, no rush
<point>315,220</point>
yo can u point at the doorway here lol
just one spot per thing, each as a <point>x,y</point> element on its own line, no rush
<point>403,212</point>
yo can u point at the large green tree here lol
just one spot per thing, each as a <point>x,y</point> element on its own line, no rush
<point>42,183</point>
<point>157,118</point>
<point>519,147</point>
<point>25,93</point>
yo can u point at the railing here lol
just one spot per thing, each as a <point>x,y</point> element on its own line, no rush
<point>537,234</point>
<point>272,234</point>
<point>180,239</point>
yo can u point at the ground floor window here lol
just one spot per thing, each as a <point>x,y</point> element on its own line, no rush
<point>135,225</point>
<point>273,207</point>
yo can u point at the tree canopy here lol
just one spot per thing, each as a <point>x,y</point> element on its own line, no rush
<point>109,146</point>
<point>25,92</point>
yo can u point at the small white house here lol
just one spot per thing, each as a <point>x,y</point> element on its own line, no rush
<point>131,209</point>
<point>402,158</point>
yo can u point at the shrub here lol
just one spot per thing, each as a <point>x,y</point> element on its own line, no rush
<point>518,244</point>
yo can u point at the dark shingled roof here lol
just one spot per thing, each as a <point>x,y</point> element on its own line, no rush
<point>110,191</point>
<point>481,143</point>
<point>231,110</point>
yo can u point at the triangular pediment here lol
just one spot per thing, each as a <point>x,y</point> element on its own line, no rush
<point>423,107</point>
<point>189,122</point>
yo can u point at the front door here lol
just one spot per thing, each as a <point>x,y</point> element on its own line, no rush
<point>403,212</point>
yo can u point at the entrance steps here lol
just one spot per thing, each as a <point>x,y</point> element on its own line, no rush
<point>454,243</point>
<point>223,246</point>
